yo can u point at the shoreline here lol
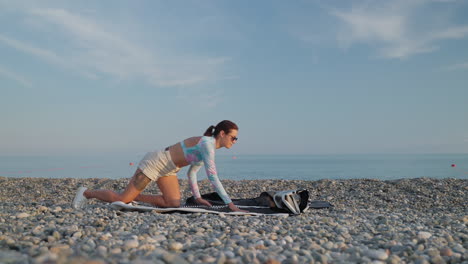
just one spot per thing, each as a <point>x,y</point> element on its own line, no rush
<point>419,220</point>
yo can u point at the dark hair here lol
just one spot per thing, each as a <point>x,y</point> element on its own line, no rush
<point>224,125</point>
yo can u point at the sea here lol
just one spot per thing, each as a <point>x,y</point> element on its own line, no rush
<point>251,167</point>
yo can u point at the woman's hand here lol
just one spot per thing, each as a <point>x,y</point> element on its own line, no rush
<point>234,208</point>
<point>203,202</point>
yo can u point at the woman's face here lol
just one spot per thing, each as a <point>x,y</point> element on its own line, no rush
<point>229,139</point>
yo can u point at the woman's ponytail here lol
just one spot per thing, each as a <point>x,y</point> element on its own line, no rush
<point>224,125</point>
<point>209,131</point>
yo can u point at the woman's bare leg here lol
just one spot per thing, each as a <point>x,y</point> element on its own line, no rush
<point>138,182</point>
<point>169,186</point>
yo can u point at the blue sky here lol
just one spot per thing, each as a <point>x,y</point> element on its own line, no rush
<point>298,77</point>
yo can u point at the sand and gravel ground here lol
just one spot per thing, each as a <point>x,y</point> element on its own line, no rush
<point>401,221</point>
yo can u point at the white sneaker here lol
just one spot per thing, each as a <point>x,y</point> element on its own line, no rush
<point>79,200</point>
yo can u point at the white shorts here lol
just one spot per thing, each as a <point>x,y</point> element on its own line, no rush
<point>158,164</point>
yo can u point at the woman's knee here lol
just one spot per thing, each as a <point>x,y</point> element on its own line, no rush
<point>124,198</point>
<point>114,196</point>
<point>169,186</point>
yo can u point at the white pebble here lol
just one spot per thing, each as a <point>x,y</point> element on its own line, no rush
<point>215,242</point>
<point>116,251</point>
<point>102,250</point>
<point>42,208</point>
<point>329,245</point>
<point>105,236</point>
<point>424,235</point>
<point>22,215</point>
<point>176,246</point>
<point>132,243</point>
<point>159,238</point>
<point>376,254</point>
<point>229,254</point>
<point>459,248</point>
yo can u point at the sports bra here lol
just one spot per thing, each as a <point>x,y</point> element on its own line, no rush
<point>203,153</point>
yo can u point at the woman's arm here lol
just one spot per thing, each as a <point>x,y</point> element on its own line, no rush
<point>192,177</point>
<point>208,154</point>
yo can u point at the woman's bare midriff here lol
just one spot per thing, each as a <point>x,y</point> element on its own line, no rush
<point>177,154</point>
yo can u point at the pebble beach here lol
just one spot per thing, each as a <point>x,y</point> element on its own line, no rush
<point>419,220</point>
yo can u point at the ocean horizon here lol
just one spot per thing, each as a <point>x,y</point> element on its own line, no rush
<point>251,167</point>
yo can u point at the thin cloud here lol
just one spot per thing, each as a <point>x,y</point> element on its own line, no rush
<point>445,1</point>
<point>456,32</point>
<point>46,55</point>
<point>196,71</point>
<point>15,76</point>
<point>95,49</point>
<point>98,49</point>
<point>459,66</point>
<point>43,54</point>
<point>391,30</point>
<point>108,52</point>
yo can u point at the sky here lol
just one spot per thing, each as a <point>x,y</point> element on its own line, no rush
<point>298,77</point>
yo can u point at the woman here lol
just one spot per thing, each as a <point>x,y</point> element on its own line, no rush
<point>162,166</point>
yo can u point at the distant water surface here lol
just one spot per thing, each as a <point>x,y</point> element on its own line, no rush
<point>250,167</point>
